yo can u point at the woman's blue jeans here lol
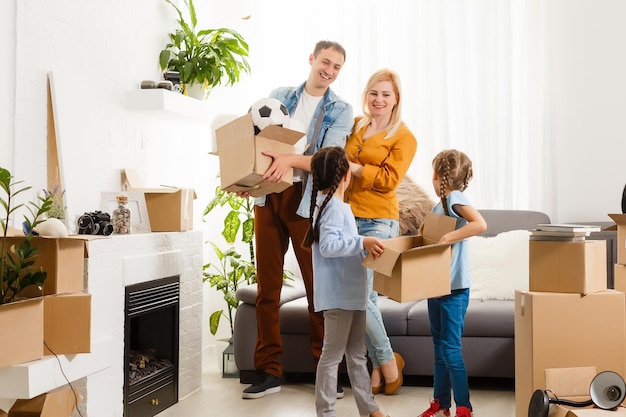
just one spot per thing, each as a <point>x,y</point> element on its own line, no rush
<point>447,318</point>
<point>378,346</point>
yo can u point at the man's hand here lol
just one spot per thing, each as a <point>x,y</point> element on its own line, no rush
<point>281,164</point>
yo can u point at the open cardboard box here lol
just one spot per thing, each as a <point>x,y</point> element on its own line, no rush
<point>170,209</point>
<point>62,258</point>
<point>415,267</point>
<point>242,163</point>
<point>573,384</point>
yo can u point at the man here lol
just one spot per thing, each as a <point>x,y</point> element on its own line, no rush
<point>282,216</point>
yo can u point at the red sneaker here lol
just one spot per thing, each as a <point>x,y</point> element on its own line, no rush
<point>435,411</point>
<point>463,412</point>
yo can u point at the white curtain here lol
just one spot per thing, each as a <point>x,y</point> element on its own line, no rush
<point>471,71</point>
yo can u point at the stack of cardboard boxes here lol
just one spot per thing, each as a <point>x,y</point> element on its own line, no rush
<point>55,320</point>
<point>568,318</point>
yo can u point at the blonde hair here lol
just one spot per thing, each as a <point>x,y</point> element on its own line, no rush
<point>328,167</point>
<point>396,118</point>
<point>454,169</point>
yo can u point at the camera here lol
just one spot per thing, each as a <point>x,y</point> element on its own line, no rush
<point>95,223</point>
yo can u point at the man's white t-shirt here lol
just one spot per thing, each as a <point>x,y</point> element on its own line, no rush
<point>304,114</point>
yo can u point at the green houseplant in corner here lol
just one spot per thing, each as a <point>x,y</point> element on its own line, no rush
<point>233,269</point>
<point>203,58</point>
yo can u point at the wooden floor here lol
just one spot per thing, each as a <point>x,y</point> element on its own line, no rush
<point>221,397</point>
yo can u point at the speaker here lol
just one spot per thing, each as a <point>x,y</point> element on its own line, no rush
<point>607,390</point>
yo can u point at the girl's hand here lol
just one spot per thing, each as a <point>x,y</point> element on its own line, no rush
<point>475,224</point>
<point>374,246</point>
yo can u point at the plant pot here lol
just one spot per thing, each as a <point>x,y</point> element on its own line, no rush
<point>197,91</point>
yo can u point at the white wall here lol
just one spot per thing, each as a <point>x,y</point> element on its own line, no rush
<point>587,106</point>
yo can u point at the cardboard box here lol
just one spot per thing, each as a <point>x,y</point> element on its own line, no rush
<point>242,163</point>
<point>67,324</point>
<point>561,330</point>
<point>58,403</point>
<point>22,331</point>
<point>570,384</point>
<point>619,277</point>
<point>170,209</point>
<point>620,226</point>
<point>573,384</point>
<point>63,259</point>
<point>415,267</point>
<point>570,267</point>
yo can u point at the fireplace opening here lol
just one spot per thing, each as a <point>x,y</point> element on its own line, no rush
<point>151,336</point>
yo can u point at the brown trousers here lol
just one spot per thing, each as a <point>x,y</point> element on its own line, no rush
<point>275,223</point>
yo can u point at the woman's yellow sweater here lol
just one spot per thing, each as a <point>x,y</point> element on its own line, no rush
<point>385,162</point>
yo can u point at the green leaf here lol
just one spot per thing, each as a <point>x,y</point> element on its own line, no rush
<point>214,321</point>
<point>248,230</point>
<point>231,227</point>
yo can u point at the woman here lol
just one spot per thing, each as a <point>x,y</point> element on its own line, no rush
<point>381,149</point>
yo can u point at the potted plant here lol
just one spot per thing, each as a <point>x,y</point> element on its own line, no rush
<point>21,317</point>
<point>16,261</point>
<point>203,58</point>
<point>233,270</point>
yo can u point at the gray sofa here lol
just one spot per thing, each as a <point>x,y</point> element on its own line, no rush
<point>488,339</point>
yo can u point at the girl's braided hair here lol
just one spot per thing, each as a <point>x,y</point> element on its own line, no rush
<point>328,166</point>
<point>454,169</point>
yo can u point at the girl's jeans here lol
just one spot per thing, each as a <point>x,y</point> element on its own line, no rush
<point>447,318</point>
<point>378,346</point>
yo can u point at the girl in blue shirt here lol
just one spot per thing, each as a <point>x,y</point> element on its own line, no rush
<point>340,283</point>
<point>452,172</point>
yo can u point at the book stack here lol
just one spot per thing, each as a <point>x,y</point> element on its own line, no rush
<point>563,232</point>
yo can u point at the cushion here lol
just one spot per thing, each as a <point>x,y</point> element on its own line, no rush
<point>498,265</point>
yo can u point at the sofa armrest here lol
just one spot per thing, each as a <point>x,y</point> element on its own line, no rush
<point>291,291</point>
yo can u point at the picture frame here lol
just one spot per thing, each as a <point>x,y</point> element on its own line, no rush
<point>139,220</point>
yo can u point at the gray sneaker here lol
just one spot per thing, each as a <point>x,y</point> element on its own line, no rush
<point>264,385</point>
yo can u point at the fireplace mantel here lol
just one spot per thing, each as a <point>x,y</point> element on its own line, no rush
<point>112,265</point>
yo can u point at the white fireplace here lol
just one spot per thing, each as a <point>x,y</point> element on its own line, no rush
<point>113,264</point>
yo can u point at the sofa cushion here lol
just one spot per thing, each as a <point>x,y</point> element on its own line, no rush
<point>395,315</point>
<point>291,290</point>
<point>491,318</point>
<point>294,317</point>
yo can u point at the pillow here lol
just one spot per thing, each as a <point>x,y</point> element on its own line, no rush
<point>498,265</point>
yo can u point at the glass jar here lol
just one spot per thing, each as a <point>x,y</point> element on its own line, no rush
<point>121,216</point>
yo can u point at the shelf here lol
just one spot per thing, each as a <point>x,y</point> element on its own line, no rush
<point>168,104</point>
<point>27,380</point>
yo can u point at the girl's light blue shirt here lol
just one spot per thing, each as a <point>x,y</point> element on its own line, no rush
<point>340,281</point>
<point>460,269</point>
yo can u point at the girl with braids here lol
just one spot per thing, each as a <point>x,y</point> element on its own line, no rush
<point>452,172</point>
<point>340,283</point>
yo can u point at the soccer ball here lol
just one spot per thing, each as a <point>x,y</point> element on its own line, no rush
<point>268,111</point>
